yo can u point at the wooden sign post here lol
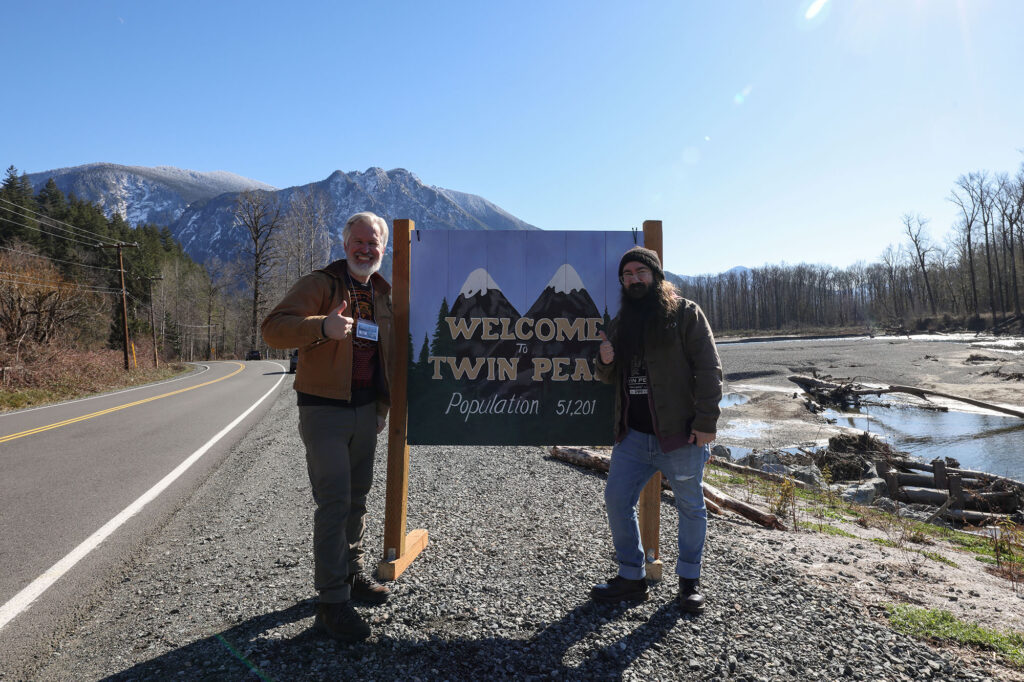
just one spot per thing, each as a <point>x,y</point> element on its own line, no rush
<point>649,507</point>
<point>399,549</point>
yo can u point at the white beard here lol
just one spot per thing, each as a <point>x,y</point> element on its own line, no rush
<point>364,269</point>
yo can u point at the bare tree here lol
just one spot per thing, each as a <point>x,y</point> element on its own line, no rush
<point>306,223</point>
<point>259,213</point>
<point>921,250</point>
<point>1010,207</point>
<point>969,209</point>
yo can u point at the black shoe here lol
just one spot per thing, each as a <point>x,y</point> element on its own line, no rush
<point>367,590</point>
<point>690,600</point>
<point>620,589</point>
<point>341,622</point>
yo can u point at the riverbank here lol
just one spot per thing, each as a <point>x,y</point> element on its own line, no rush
<point>773,412</point>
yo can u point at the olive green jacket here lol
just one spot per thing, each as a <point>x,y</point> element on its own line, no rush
<point>684,377</point>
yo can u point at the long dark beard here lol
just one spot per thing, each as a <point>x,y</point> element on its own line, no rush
<point>639,316</point>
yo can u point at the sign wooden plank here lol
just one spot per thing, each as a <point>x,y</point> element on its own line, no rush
<point>399,551</point>
<point>649,507</point>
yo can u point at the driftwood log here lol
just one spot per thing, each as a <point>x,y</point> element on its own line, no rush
<point>714,499</point>
<point>750,471</point>
<point>818,388</point>
<point>966,475</point>
<point>742,508</point>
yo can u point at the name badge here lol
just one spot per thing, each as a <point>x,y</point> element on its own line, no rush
<point>366,330</point>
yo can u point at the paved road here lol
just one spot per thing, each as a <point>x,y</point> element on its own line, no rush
<point>84,482</point>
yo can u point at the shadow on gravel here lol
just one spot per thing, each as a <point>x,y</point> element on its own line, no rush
<point>224,655</point>
<point>558,650</point>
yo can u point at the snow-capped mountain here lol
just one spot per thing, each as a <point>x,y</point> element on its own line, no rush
<point>205,229</point>
<point>143,195</point>
<point>199,207</point>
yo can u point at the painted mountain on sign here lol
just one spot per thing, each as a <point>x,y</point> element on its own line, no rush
<point>565,298</point>
<point>481,297</point>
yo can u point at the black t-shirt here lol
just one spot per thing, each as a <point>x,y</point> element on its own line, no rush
<point>638,418</point>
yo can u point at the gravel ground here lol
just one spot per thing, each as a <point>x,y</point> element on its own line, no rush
<point>224,591</point>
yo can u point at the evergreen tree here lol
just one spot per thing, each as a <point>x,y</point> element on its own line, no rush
<point>17,222</point>
<point>442,345</point>
<point>52,203</point>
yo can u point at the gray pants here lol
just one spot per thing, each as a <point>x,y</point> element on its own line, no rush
<point>340,443</point>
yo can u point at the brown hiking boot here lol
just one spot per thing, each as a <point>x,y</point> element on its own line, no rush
<point>620,589</point>
<point>690,600</point>
<point>367,590</point>
<point>341,622</point>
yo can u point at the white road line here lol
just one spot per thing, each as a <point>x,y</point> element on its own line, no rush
<point>204,370</point>
<point>29,594</point>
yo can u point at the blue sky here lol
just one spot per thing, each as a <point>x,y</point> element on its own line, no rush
<point>756,134</point>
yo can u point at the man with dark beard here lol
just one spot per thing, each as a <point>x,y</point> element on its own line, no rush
<point>340,319</point>
<point>660,354</point>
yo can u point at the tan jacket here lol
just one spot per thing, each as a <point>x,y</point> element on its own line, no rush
<point>685,378</point>
<point>325,365</point>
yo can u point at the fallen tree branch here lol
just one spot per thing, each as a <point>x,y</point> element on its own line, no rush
<point>817,386</point>
<point>742,508</point>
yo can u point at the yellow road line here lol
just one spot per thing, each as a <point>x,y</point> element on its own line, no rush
<point>40,429</point>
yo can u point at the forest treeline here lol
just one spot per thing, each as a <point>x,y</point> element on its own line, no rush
<point>60,278</point>
<point>973,278</point>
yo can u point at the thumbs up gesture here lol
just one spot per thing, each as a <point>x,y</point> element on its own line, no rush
<point>336,324</point>
<point>607,352</point>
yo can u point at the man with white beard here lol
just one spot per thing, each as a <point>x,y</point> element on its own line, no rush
<point>340,319</point>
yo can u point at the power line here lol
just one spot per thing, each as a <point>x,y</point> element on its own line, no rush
<point>29,281</point>
<point>58,260</point>
<point>58,236</point>
<point>73,228</point>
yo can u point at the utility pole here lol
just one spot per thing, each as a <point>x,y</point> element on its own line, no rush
<point>124,292</point>
<point>152,317</point>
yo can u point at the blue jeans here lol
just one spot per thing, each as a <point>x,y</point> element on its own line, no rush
<point>634,461</point>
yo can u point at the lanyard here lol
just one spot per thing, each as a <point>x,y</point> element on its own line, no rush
<point>351,288</point>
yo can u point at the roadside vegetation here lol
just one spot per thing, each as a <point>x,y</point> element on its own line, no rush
<point>66,375</point>
<point>914,543</point>
<point>817,511</point>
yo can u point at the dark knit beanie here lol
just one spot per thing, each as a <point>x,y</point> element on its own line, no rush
<point>646,257</point>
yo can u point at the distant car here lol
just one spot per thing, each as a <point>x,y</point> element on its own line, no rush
<point>253,355</point>
<point>293,361</point>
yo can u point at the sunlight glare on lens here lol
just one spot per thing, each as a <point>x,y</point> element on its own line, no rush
<point>815,7</point>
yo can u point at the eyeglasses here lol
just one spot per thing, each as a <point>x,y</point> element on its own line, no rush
<point>639,273</point>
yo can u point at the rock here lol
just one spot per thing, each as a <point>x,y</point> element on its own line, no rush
<point>810,475</point>
<point>864,493</point>
<point>721,452</point>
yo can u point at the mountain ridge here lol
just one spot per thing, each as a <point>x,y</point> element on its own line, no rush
<point>198,206</point>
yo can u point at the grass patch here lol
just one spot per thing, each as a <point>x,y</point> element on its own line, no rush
<point>826,528</point>
<point>935,556</point>
<point>726,479</point>
<point>827,513</point>
<point>944,626</point>
<point>886,542</point>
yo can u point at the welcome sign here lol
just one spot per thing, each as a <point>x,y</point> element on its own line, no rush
<point>505,332</point>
